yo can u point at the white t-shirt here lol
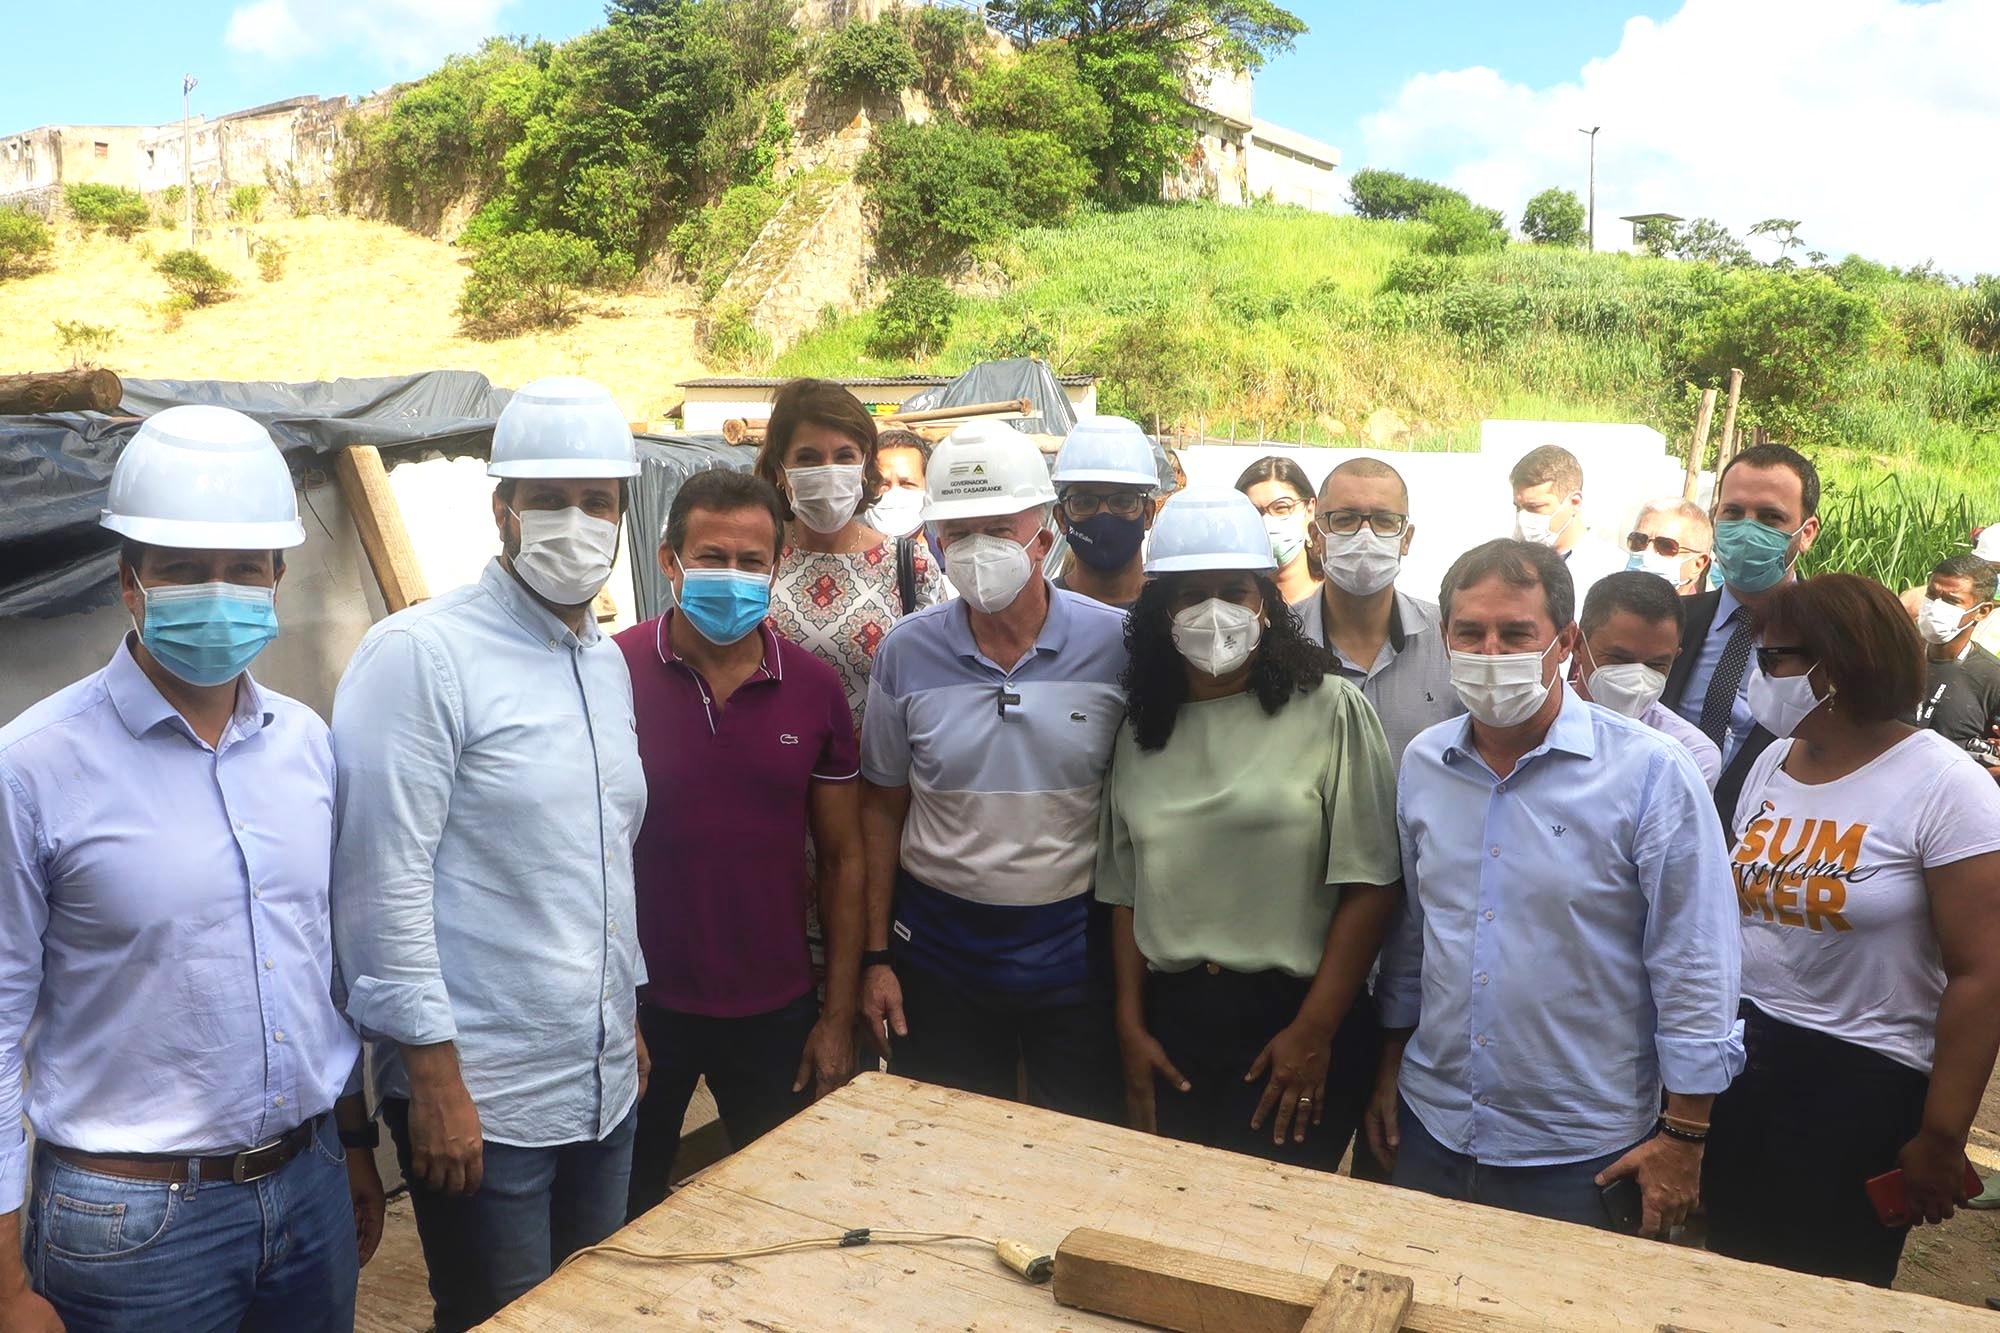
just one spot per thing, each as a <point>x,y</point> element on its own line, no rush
<point>1837,932</point>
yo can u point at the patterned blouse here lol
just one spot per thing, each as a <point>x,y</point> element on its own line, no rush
<point>838,606</point>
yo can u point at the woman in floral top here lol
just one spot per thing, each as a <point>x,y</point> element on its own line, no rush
<point>837,589</point>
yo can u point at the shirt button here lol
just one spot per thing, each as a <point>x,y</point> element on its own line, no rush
<point>277,1101</point>
<point>1485,1100</point>
<point>279,1035</point>
<point>267,965</point>
<point>1480,1039</point>
<point>256,892</point>
<point>1481,978</point>
<point>1496,849</point>
<point>1501,787</point>
<point>1489,914</point>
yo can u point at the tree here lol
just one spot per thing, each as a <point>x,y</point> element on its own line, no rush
<point>529,280</point>
<point>1040,90</point>
<point>1374,193</point>
<point>196,277</point>
<point>857,59</point>
<point>1459,227</point>
<point>1554,217</point>
<point>25,242</point>
<point>1704,241</point>
<point>915,319</point>
<point>119,211</point>
<point>1797,336</point>
<point>940,189</point>
<point>1787,232</point>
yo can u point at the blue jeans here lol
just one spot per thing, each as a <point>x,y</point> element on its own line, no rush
<point>1564,1192</point>
<point>144,1256</point>
<point>533,1209</point>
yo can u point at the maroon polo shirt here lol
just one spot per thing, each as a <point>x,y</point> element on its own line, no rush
<point>720,865</point>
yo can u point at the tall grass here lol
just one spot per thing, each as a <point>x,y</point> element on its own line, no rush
<point>1889,530</point>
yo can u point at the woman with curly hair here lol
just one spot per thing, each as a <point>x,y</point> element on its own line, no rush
<point>1248,850</point>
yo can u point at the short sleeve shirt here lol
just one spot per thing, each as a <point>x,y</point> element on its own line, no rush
<point>1228,843</point>
<point>1961,699</point>
<point>720,862</point>
<point>1837,932</point>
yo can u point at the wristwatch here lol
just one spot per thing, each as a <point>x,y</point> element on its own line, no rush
<point>877,958</point>
<point>369,1136</point>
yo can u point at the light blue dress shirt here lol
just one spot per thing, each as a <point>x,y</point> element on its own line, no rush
<point>1703,671</point>
<point>165,969</point>
<point>1569,937</point>
<point>490,791</point>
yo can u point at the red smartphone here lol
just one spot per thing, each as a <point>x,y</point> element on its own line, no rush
<point>1892,1201</point>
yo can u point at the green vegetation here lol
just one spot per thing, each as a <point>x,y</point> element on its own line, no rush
<point>1390,196</point>
<point>25,243</point>
<point>85,343</point>
<point>709,243</point>
<point>196,277</point>
<point>119,211</point>
<point>246,203</point>
<point>728,340</point>
<point>915,319</point>
<point>1554,217</point>
<point>859,59</point>
<point>1461,228</point>
<point>534,280</point>
<point>270,255</point>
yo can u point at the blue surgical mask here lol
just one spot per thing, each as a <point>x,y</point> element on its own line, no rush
<point>1105,541</point>
<point>723,605</point>
<point>207,633</point>
<point>1753,558</point>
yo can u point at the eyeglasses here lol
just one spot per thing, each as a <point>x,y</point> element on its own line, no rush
<point>1282,507</point>
<point>1081,505</point>
<point>1347,522</point>
<point>1638,541</point>
<point>1770,657</point>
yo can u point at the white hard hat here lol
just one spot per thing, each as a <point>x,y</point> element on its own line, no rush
<point>1209,529</point>
<point>1987,548</point>
<point>1106,449</point>
<point>203,478</point>
<point>982,469</point>
<point>562,426</point>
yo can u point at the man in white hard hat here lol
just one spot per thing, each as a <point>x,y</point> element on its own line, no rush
<point>1105,480</point>
<point>490,791</point>
<point>165,976</point>
<point>984,747</point>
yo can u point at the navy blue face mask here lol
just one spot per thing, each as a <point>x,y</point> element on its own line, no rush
<point>1105,541</point>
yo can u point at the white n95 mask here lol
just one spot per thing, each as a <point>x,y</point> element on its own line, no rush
<point>899,512</point>
<point>1217,637</point>
<point>1626,687</point>
<point>1502,690</point>
<point>989,572</point>
<point>825,498</point>
<point>565,554</point>
<point>1939,622</point>
<point>1780,703</point>
<point>1361,564</point>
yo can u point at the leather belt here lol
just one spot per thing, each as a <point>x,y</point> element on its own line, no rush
<point>239,1168</point>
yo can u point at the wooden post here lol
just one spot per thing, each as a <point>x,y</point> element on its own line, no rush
<point>61,391</point>
<point>1698,449</point>
<point>1361,1301</point>
<point>364,484</point>
<point>1727,449</point>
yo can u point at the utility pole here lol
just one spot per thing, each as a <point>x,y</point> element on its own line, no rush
<point>1591,133</point>
<point>188,82</point>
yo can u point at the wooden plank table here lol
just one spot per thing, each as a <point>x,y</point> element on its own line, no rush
<point>891,1154</point>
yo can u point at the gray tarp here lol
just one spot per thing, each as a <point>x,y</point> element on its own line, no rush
<point>666,461</point>
<point>1003,381</point>
<point>55,468</point>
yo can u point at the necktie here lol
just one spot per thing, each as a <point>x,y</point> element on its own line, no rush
<point>1720,700</point>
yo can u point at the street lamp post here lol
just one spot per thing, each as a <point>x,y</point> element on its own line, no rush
<point>188,82</point>
<point>1591,133</point>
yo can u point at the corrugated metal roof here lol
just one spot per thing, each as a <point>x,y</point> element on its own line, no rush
<point>850,381</point>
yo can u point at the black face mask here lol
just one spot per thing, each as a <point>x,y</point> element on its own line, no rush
<point>1106,542</point>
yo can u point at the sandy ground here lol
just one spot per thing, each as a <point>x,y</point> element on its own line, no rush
<point>357,298</point>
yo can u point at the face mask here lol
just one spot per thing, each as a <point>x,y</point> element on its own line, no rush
<point>1288,537</point>
<point>898,513</point>
<point>207,633</point>
<point>825,498</point>
<point>565,554</point>
<point>1751,556</point>
<point>1667,567</point>
<point>1217,637</point>
<point>1503,690</point>
<point>1626,687</point>
<point>1535,528</point>
<point>1361,563</point>
<point>1107,542</point>
<point>989,572</point>
<point>1939,622</point>
<point>1780,703</point>
<point>723,605</point>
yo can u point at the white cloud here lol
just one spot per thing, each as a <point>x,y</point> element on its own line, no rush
<point>1875,122</point>
<point>409,36</point>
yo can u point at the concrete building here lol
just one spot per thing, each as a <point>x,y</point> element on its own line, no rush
<point>1239,159</point>
<point>295,139</point>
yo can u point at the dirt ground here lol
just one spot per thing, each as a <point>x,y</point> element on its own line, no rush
<point>356,298</point>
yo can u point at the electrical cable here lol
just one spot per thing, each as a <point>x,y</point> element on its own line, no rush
<point>1020,1258</point>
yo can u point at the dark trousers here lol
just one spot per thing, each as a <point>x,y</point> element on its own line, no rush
<point>534,1208</point>
<point>1564,1191</point>
<point>750,1063</point>
<point>980,1040</point>
<point>1795,1139</point>
<point>1213,1022</point>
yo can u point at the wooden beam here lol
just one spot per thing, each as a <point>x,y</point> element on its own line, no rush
<point>1727,449</point>
<point>364,484</point>
<point>1359,1300</point>
<point>1019,405</point>
<point>60,391</point>
<point>1698,448</point>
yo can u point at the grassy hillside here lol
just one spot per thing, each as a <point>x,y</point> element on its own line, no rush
<point>356,298</point>
<point>1289,325</point>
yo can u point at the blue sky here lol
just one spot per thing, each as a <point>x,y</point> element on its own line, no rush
<point>1863,118</point>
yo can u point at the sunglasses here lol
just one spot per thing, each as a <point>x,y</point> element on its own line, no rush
<point>1770,657</point>
<point>1637,542</point>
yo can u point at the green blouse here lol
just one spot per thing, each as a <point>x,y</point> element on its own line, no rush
<point>1228,844</point>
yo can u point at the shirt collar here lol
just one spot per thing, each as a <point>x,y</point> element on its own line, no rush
<point>1051,638</point>
<point>1572,732</point>
<point>1726,606</point>
<point>772,667</point>
<point>141,706</point>
<point>1407,619</point>
<point>542,624</point>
